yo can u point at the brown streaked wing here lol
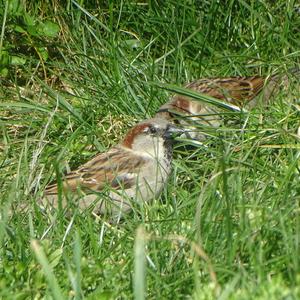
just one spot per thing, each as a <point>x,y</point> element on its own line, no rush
<point>106,168</point>
<point>231,89</point>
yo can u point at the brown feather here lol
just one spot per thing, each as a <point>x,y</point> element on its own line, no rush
<point>239,91</point>
<point>128,140</point>
<point>234,90</point>
<point>101,170</point>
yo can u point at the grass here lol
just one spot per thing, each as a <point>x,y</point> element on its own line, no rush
<point>226,227</point>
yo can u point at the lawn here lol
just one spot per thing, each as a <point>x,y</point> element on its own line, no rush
<point>75,76</point>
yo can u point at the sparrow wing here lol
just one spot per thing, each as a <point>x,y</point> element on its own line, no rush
<point>118,168</point>
<point>234,90</point>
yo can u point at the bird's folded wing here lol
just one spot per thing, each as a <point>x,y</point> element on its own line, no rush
<point>231,89</point>
<point>117,168</point>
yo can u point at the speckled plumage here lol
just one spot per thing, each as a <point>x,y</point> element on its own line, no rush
<point>135,170</point>
<point>243,92</point>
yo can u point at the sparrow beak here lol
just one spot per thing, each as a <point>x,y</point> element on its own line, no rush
<point>173,131</point>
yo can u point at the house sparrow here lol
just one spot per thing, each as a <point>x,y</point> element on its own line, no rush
<point>238,91</point>
<point>134,170</point>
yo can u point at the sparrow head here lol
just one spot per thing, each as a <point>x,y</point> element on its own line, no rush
<point>150,136</point>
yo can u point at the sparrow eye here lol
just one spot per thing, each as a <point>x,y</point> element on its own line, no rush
<point>152,130</point>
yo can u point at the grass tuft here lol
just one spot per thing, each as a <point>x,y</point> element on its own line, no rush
<point>75,77</point>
